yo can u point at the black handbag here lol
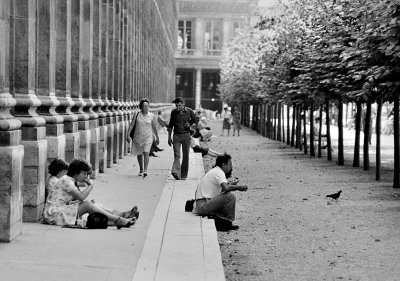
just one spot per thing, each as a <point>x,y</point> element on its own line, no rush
<point>134,126</point>
<point>97,221</point>
<point>189,205</point>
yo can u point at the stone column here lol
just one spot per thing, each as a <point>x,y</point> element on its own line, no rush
<point>114,104</point>
<point>11,152</point>
<point>63,79</point>
<point>198,88</point>
<point>46,79</point>
<point>119,43</point>
<point>23,87</point>
<point>95,82</point>
<point>103,77</point>
<point>85,72</point>
<point>79,63</point>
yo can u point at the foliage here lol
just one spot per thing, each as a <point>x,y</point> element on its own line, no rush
<point>311,50</point>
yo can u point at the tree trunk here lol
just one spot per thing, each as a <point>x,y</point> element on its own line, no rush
<point>288,125</point>
<point>294,115</point>
<point>321,110</point>
<point>367,129</point>
<point>298,128</point>
<point>328,131</point>
<point>378,139</point>
<point>283,122</point>
<point>312,148</point>
<point>340,128</point>
<point>275,125</point>
<point>279,121</point>
<point>305,131</point>
<point>356,157</point>
<point>396,179</point>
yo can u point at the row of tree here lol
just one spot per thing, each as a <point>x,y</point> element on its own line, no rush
<point>312,54</point>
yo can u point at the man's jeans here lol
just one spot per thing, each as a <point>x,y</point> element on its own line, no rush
<point>177,140</point>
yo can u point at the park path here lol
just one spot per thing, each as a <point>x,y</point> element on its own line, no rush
<point>290,231</point>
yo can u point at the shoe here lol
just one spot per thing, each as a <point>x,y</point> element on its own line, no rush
<point>234,227</point>
<point>152,154</point>
<point>183,179</point>
<point>134,213</point>
<point>144,174</point>
<point>156,149</point>
<point>140,174</point>
<point>127,225</point>
<point>176,176</point>
<point>222,224</point>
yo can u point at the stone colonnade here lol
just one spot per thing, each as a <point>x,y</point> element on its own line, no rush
<point>71,75</point>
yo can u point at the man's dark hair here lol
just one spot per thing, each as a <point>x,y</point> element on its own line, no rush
<point>178,100</point>
<point>56,166</point>
<point>142,101</point>
<point>77,166</point>
<point>222,159</point>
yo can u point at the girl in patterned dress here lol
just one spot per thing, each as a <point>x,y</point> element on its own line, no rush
<point>66,202</point>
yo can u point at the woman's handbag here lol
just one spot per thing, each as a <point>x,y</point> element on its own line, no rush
<point>134,125</point>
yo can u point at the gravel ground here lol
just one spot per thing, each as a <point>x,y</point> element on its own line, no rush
<point>290,231</point>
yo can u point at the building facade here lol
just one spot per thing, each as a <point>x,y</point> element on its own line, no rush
<point>71,75</point>
<point>203,27</point>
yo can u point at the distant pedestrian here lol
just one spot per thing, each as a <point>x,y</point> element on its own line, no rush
<point>236,118</point>
<point>226,125</point>
<point>145,131</point>
<point>182,118</point>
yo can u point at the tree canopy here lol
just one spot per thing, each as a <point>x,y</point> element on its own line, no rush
<point>309,50</point>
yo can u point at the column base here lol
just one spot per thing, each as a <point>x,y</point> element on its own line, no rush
<point>11,192</point>
<point>35,169</point>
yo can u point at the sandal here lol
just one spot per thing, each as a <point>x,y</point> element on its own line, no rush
<point>127,225</point>
<point>134,213</point>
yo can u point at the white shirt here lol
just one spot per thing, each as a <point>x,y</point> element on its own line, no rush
<point>210,185</point>
<point>226,115</point>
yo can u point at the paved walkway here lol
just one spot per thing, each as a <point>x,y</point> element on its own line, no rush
<point>165,244</point>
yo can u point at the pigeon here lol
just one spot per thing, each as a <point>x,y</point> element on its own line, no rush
<point>335,196</point>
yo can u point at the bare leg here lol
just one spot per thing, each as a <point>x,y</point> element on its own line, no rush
<point>87,207</point>
<point>146,161</point>
<point>140,161</point>
<point>228,132</point>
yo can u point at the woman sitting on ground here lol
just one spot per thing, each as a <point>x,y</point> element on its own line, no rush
<point>66,202</point>
<point>57,169</point>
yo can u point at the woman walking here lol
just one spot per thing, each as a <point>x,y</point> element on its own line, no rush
<point>145,130</point>
<point>226,125</point>
<point>236,121</point>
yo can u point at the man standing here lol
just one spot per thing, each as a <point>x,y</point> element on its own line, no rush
<point>182,118</point>
<point>214,196</point>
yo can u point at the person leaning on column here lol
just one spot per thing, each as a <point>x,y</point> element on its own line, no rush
<point>182,118</point>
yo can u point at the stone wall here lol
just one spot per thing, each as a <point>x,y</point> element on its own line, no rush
<point>71,75</point>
